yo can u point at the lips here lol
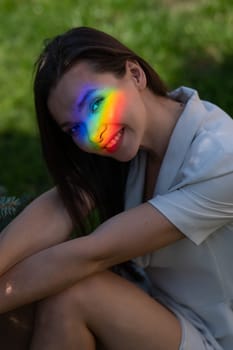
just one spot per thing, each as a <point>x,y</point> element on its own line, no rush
<point>114,141</point>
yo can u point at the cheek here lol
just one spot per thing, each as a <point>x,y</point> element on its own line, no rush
<point>137,112</point>
<point>81,138</point>
<point>117,107</point>
<point>107,120</point>
<point>83,142</point>
<point>113,109</point>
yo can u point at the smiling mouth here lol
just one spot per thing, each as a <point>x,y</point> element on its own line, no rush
<point>113,143</point>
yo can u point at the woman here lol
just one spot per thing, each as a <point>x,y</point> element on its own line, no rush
<point>158,167</point>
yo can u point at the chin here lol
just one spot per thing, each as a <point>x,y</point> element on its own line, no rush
<point>126,156</point>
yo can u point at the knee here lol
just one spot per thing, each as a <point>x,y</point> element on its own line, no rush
<point>72,301</point>
<point>59,306</point>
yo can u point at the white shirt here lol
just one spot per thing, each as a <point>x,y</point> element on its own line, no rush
<point>194,190</point>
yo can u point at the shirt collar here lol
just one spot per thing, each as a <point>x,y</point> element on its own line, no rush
<point>182,136</point>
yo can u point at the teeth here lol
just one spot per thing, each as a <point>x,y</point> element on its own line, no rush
<point>115,139</point>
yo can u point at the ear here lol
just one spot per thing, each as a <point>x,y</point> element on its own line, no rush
<point>136,73</point>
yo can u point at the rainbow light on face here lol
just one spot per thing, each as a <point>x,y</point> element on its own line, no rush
<point>103,118</point>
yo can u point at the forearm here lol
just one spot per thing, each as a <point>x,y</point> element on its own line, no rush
<point>43,223</point>
<point>130,234</point>
<point>46,273</point>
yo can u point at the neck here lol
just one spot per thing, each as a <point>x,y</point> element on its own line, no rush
<point>162,115</point>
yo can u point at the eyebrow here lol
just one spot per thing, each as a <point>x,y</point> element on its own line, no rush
<point>83,99</point>
<point>80,105</point>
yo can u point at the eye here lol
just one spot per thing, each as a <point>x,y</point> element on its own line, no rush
<point>74,130</point>
<point>96,104</point>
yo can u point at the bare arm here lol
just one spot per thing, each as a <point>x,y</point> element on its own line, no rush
<point>43,223</point>
<point>125,236</point>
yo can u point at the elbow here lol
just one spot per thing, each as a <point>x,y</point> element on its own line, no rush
<point>95,253</point>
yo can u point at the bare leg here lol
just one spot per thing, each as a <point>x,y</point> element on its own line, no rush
<point>118,313</point>
<point>16,328</point>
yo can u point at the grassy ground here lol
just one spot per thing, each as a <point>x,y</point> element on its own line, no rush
<point>188,42</point>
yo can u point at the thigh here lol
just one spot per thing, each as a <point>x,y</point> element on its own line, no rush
<point>16,328</point>
<point>121,315</point>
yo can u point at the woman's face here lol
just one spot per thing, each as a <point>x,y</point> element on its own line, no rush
<point>103,114</point>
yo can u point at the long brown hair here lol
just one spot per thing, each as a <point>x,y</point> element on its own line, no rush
<point>75,173</point>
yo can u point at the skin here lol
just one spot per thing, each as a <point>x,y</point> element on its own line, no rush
<point>143,114</point>
<point>71,276</point>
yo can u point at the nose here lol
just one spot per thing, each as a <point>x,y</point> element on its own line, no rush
<point>96,135</point>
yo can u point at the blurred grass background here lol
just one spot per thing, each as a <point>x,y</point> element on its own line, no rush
<point>188,42</point>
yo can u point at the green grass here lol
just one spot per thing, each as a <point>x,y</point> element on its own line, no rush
<point>188,42</point>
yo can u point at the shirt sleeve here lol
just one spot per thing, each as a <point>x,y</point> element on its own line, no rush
<point>199,209</point>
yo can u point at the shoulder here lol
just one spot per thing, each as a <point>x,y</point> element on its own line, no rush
<point>211,151</point>
<point>207,131</point>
